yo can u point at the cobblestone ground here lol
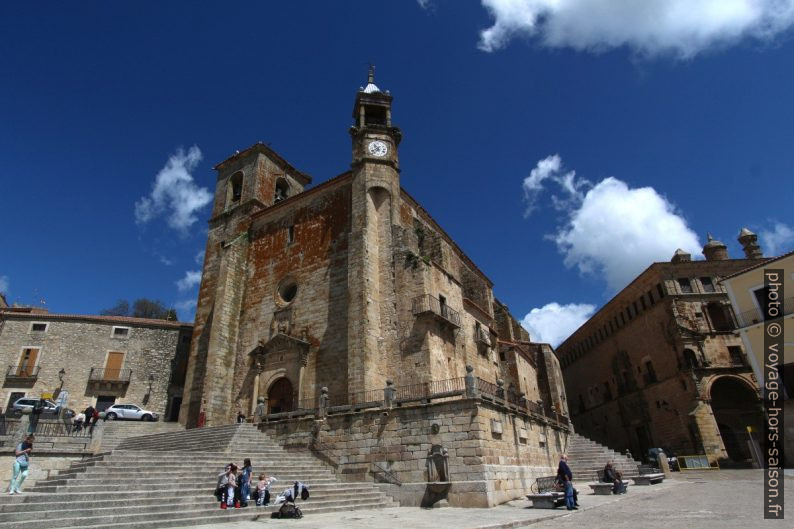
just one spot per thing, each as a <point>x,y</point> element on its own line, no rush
<point>716,499</point>
<point>721,499</point>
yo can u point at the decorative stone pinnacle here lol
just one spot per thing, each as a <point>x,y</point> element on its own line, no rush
<point>371,74</point>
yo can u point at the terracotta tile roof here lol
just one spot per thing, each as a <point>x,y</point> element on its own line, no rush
<point>30,314</point>
<point>769,260</point>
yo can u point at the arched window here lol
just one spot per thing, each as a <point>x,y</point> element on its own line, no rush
<point>234,189</point>
<point>282,190</point>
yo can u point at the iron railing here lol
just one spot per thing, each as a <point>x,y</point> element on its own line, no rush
<point>426,303</point>
<point>435,389</point>
<point>103,374</point>
<point>424,392</point>
<point>753,316</point>
<point>43,428</point>
<point>22,371</point>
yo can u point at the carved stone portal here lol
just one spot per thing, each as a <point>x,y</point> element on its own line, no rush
<point>282,356</point>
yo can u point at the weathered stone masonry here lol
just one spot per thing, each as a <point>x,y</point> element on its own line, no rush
<point>350,285</point>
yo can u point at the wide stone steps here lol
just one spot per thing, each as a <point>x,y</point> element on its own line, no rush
<point>146,486</point>
<point>209,513</point>
<point>586,458</point>
<point>64,510</point>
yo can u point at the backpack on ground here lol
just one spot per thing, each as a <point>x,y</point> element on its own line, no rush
<point>288,510</point>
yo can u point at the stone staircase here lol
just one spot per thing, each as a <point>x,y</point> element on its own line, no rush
<point>585,457</point>
<point>167,479</point>
<point>114,432</point>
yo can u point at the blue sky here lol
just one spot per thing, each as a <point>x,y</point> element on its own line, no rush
<point>563,148</point>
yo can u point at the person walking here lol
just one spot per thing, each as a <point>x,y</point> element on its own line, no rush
<point>21,465</point>
<point>565,475</point>
<point>92,421</point>
<point>246,474</point>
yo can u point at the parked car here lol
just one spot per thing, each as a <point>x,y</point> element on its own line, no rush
<point>129,411</point>
<point>50,408</point>
<point>653,460</point>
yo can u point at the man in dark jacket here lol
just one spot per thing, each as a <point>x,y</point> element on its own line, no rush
<point>615,477</point>
<point>565,476</point>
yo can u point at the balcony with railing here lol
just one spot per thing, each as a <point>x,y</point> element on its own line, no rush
<point>104,375</point>
<point>22,374</point>
<point>428,305</point>
<point>753,316</point>
<point>482,336</point>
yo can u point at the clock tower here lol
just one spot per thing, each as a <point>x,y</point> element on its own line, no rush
<point>375,199</point>
<point>375,140</point>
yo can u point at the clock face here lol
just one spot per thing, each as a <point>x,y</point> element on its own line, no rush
<point>378,148</point>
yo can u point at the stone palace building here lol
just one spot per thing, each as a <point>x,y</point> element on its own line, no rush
<point>661,364</point>
<point>349,297</point>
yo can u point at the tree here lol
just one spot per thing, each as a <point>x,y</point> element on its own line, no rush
<point>121,308</point>
<point>149,308</point>
<point>142,308</point>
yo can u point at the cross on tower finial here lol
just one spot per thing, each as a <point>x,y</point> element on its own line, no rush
<point>371,73</point>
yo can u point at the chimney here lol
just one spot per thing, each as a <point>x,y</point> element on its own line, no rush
<point>749,242</point>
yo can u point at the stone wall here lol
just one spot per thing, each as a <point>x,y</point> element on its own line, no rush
<point>494,455</point>
<point>77,344</point>
<point>638,373</point>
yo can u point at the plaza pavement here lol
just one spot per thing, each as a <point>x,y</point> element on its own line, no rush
<point>722,499</point>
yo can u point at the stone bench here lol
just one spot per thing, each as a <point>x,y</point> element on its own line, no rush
<point>648,479</point>
<point>547,500</point>
<point>544,496</point>
<point>602,489</point>
<point>648,476</point>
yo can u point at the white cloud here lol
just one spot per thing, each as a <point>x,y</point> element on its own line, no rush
<point>191,279</point>
<point>682,28</point>
<point>550,168</point>
<point>611,230</point>
<point>774,242</point>
<point>199,258</point>
<point>553,322</point>
<point>174,193</point>
<point>4,284</point>
<point>424,4</point>
<point>166,261</point>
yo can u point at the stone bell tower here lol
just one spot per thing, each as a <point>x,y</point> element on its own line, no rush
<point>372,327</point>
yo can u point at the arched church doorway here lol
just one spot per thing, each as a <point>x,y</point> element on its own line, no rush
<point>735,406</point>
<point>279,397</point>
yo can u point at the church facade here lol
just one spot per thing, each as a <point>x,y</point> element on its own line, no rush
<point>345,285</point>
<point>336,292</point>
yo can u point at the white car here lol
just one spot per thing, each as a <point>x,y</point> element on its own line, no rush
<point>129,411</point>
<point>28,402</point>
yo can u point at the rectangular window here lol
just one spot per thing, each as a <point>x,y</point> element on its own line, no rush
<point>290,234</point>
<point>684,285</point>
<point>737,357</point>
<point>650,297</point>
<point>708,284</point>
<point>121,332</point>
<point>38,327</point>
<point>660,288</point>
<point>761,296</point>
